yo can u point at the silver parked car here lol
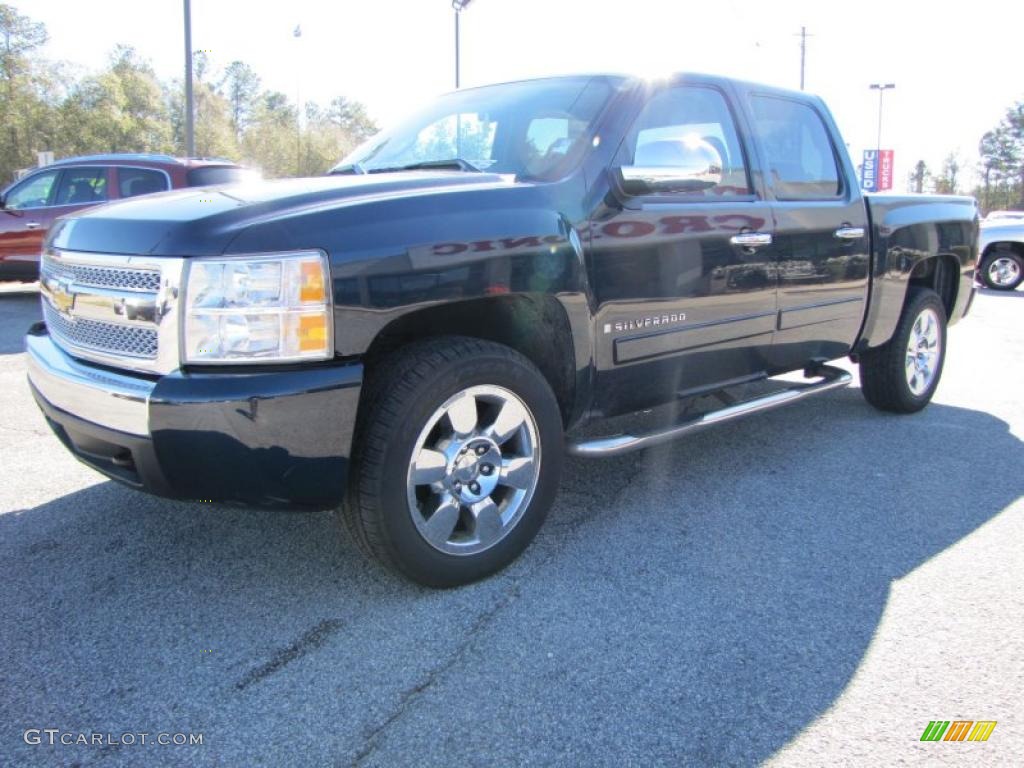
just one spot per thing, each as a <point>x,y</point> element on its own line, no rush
<point>1001,245</point>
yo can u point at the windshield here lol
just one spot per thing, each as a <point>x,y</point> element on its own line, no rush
<point>537,130</point>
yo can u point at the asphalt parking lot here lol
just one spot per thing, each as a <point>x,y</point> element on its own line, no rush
<point>808,587</point>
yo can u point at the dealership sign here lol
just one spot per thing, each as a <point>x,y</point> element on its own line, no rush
<point>876,172</point>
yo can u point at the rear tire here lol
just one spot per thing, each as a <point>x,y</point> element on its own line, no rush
<point>456,462</point>
<point>1002,270</point>
<point>902,375</point>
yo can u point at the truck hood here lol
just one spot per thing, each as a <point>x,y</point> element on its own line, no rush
<point>203,221</point>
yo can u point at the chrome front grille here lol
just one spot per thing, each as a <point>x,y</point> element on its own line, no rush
<point>104,277</point>
<point>108,338</point>
<point>116,310</point>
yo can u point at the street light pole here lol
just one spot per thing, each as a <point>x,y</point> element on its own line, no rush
<point>297,35</point>
<point>457,14</point>
<point>190,131</point>
<point>459,6</point>
<point>881,88</point>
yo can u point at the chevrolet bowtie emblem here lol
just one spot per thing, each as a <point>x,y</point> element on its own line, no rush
<point>61,297</point>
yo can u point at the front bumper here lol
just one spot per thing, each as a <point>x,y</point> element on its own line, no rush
<point>275,438</point>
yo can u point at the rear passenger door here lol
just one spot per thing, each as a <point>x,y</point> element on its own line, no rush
<point>821,230</point>
<point>684,281</point>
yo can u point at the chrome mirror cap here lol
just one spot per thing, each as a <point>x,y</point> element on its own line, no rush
<point>689,164</point>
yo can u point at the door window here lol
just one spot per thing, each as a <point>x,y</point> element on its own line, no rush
<point>34,192</point>
<point>139,181</point>
<point>798,153</point>
<point>82,186</point>
<point>683,114</point>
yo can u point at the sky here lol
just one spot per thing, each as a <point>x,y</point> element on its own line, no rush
<point>956,67</point>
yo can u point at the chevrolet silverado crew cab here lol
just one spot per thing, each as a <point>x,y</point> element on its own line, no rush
<point>420,336</point>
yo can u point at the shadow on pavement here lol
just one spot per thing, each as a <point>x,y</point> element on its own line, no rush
<point>1002,294</point>
<point>697,604</point>
<point>19,308</point>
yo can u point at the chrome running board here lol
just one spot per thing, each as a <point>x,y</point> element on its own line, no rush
<point>831,378</point>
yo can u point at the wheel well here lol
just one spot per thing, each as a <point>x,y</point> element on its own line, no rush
<point>535,326</point>
<point>940,273</point>
<point>1003,245</point>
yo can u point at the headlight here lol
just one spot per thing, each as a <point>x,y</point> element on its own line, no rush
<point>260,309</point>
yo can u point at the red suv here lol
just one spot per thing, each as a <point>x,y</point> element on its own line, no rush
<point>29,205</point>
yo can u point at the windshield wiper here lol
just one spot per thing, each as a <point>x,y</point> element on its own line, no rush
<point>455,163</point>
<point>348,170</point>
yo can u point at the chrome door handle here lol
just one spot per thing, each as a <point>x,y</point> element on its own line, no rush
<point>850,233</point>
<point>32,225</point>
<point>751,239</point>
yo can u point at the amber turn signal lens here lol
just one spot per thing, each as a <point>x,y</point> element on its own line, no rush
<point>312,288</point>
<point>312,332</point>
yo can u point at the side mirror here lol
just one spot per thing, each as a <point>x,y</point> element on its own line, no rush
<point>672,165</point>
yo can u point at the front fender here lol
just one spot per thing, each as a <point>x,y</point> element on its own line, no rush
<point>458,257</point>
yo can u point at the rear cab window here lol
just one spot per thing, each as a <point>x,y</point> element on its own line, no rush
<point>800,161</point>
<point>132,182</point>
<point>205,176</point>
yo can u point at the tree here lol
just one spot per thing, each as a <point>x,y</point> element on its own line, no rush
<point>22,89</point>
<point>125,107</point>
<point>351,117</point>
<point>919,177</point>
<point>1002,161</point>
<point>947,180</point>
<point>241,87</point>
<point>119,110</point>
<point>271,141</point>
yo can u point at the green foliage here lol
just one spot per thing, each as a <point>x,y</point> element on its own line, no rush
<point>1002,162</point>
<point>946,183</point>
<point>919,177</point>
<point>23,91</point>
<point>126,108</point>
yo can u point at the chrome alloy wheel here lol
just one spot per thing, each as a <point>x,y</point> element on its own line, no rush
<point>923,352</point>
<point>1004,271</point>
<point>473,470</point>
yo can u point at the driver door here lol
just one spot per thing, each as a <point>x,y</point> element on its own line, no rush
<point>26,217</point>
<point>685,281</point>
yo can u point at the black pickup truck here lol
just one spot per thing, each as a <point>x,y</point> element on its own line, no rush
<point>420,336</point>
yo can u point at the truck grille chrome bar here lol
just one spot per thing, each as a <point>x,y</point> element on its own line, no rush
<point>103,277</point>
<point>107,338</point>
<point>117,310</point>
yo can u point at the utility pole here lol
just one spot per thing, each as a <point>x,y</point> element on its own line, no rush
<point>297,35</point>
<point>459,6</point>
<point>803,54</point>
<point>881,88</point>
<point>190,129</point>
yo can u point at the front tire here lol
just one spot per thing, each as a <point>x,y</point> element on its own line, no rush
<point>457,460</point>
<point>1002,270</point>
<point>902,375</point>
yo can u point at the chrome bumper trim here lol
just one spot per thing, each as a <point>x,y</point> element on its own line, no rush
<point>108,399</point>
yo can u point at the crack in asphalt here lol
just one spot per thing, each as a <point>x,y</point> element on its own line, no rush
<point>409,696</point>
<point>310,641</point>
